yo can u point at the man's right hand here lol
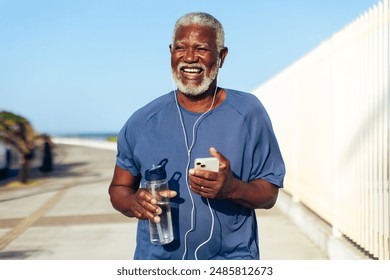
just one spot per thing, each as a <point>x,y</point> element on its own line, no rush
<point>132,201</point>
<point>144,205</point>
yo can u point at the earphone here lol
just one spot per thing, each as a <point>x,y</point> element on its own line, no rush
<point>189,150</point>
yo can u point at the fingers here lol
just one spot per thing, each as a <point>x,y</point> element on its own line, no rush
<point>204,182</point>
<point>203,174</point>
<point>168,193</point>
<point>211,184</point>
<point>223,161</point>
<point>204,191</point>
<point>145,206</point>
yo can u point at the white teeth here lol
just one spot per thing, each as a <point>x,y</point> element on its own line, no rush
<point>191,70</point>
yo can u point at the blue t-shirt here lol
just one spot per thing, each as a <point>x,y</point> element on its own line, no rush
<point>241,130</point>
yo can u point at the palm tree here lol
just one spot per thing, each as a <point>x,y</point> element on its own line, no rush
<point>17,131</point>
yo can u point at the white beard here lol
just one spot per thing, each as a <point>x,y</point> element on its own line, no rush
<point>190,89</point>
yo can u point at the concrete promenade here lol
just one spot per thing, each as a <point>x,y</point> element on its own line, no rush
<point>67,215</point>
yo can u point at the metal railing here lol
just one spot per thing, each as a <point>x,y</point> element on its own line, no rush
<point>331,114</point>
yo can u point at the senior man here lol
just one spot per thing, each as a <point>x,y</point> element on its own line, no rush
<point>212,212</point>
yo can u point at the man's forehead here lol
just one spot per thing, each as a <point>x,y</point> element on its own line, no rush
<point>205,33</point>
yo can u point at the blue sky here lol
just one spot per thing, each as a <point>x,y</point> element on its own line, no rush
<point>73,66</point>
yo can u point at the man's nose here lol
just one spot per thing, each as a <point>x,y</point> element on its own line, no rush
<point>190,56</point>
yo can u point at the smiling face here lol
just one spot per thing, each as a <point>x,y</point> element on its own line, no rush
<point>194,59</point>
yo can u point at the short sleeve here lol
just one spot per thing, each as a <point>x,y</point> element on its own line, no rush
<point>267,161</point>
<point>125,157</point>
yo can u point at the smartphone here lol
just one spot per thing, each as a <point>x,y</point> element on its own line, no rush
<point>210,163</point>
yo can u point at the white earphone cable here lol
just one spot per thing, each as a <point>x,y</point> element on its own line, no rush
<point>211,229</point>
<point>189,150</point>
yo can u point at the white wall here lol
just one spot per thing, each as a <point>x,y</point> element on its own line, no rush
<point>330,112</point>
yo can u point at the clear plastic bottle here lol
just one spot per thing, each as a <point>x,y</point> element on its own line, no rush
<point>157,184</point>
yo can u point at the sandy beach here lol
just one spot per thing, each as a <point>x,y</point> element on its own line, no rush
<point>67,214</point>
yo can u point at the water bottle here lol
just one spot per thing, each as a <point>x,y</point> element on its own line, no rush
<point>157,184</point>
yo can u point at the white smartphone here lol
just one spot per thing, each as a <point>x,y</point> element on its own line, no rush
<point>209,163</point>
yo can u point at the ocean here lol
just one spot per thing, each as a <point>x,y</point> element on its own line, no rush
<point>103,136</point>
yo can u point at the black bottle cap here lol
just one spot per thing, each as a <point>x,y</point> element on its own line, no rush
<point>157,172</point>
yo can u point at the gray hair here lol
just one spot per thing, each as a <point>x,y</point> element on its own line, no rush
<point>202,19</point>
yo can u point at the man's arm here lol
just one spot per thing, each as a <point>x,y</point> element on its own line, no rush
<point>255,194</point>
<point>258,193</point>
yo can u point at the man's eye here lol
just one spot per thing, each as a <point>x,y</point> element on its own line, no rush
<point>179,48</point>
<point>202,49</point>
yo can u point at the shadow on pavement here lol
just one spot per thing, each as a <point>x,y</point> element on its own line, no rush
<point>59,171</point>
<point>17,255</point>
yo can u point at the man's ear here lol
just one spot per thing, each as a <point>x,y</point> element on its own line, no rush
<point>170,48</point>
<point>222,55</point>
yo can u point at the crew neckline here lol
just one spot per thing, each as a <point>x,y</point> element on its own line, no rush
<point>220,106</point>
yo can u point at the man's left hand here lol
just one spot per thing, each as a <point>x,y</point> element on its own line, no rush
<point>209,184</point>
